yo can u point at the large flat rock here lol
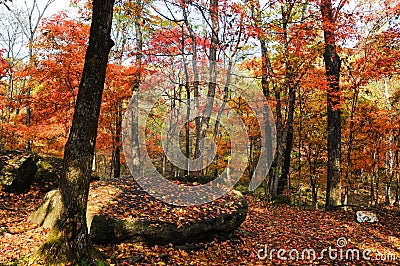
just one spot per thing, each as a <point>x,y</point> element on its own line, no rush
<point>119,210</point>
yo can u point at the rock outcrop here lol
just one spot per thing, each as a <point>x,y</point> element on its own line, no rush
<point>17,170</point>
<point>118,210</point>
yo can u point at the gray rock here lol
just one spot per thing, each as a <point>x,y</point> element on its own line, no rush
<point>110,229</point>
<point>105,229</point>
<point>48,211</point>
<point>17,170</point>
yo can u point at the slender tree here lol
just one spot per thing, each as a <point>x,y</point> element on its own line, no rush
<point>332,67</point>
<point>69,240</point>
<point>213,53</point>
<point>135,87</point>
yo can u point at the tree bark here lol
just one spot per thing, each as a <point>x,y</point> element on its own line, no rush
<point>332,66</point>
<point>135,89</point>
<point>196,78</point>
<point>396,201</point>
<point>350,146</point>
<point>286,162</point>
<point>283,124</point>
<point>118,139</point>
<point>69,241</point>
<point>214,13</point>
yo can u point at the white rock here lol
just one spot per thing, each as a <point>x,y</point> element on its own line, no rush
<point>366,217</point>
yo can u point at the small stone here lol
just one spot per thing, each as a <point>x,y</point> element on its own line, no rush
<point>366,217</point>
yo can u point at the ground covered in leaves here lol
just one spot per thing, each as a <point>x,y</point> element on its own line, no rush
<point>284,232</point>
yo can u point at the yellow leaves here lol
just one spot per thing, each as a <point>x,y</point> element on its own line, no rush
<point>183,253</point>
<point>111,192</point>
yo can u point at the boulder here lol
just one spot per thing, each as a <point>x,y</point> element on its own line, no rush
<point>121,211</point>
<point>17,170</point>
<point>46,214</point>
<point>106,229</point>
<point>366,217</point>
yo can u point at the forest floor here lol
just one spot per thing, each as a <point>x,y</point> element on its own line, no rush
<point>335,237</point>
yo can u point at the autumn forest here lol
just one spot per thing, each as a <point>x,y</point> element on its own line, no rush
<point>200,132</point>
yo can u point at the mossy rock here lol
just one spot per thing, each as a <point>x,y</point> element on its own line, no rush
<point>45,170</point>
<point>282,199</point>
<point>47,212</point>
<point>106,229</point>
<point>118,210</point>
<point>17,170</point>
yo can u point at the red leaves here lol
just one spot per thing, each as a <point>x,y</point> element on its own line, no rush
<point>276,227</point>
<point>17,236</point>
<point>3,65</point>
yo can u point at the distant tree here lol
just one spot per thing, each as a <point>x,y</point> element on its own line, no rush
<point>332,65</point>
<point>60,55</point>
<point>29,20</point>
<point>18,36</point>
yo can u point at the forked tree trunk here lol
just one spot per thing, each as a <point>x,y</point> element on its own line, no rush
<point>332,66</point>
<point>69,240</point>
<point>212,84</point>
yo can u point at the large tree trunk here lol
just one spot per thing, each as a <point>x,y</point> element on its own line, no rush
<point>68,240</point>
<point>332,65</point>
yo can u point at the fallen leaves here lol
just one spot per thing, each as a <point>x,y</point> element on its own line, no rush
<point>125,199</point>
<point>277,227</point>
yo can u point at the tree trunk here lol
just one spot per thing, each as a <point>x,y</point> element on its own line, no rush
<point>314,191</point>
<point>196,79</point>
<point>332,66</point>
<point>350,146</point>
<point>286,163</point>
<point>118,138</point>
<point>390,159</point>
<point>135,171</point>
<point>69,240</point>
<point>222,108</point>
<point>372,190</point>
<point>28,92</point>
<point>283,124</point>
<point>213,79</point>
<point>121,38</point>
<point>388,191</point>
<point>187,127</point>
<point>377,190</point>
<point>187,88</point>
<point>396,197</point>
